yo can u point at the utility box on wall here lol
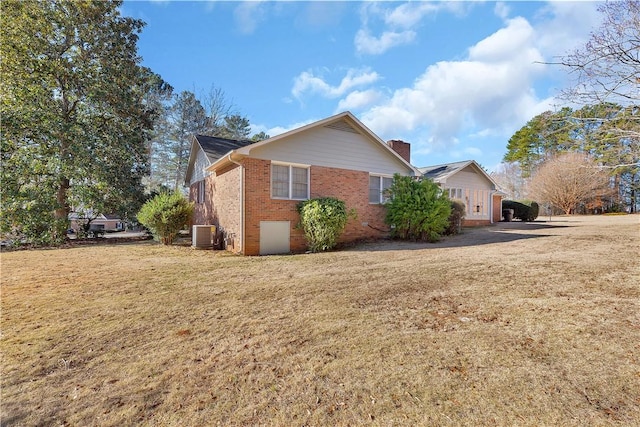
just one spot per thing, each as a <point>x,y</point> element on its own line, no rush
<point>203,236</point>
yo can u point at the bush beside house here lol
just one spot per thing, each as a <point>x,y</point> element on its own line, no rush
<point>524,210</point>
<point>323,221</point>
<point>417,210</point>
<point>165,215</point>
<point>458,210</point>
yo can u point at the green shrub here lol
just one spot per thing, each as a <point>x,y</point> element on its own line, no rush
<point>417,210</point>
<point>524,210</point>
<point>458,210</point>
<point>323,221</point>
<point>165,215</point>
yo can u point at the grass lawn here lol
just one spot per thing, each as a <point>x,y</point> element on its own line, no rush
<point>515,324</point>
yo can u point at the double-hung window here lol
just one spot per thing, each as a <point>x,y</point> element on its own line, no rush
<point>289,181</point>
<point>378,185</point>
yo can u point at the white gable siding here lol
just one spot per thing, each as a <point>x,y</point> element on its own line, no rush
<point>476,192</point>
<point>467,178</point>
<point>201,162</point>
<point>333,147</point>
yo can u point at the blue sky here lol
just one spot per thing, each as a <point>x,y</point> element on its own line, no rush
<point>455,79</point>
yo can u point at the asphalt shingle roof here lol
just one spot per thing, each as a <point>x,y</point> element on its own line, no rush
<point>216,147</point>
<point>439,171</point>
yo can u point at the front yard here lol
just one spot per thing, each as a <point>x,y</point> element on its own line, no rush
<point>515,324</point>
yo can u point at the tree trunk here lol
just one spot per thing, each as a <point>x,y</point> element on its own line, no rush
<point>61,213</point>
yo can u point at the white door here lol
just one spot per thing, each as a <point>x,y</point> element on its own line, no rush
<point>274,237</point>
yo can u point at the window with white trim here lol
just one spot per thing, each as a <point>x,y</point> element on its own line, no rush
<point>455,193</point>
<point>201,190</point>
<point>378,185</point>
<point>289,181</point>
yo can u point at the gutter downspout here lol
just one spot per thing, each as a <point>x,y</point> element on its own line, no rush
<point>242,225</point>
<point>491,193</point>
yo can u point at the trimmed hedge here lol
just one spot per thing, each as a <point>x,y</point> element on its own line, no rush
<point>524,210</point>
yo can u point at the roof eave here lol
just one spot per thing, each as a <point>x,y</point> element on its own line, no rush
<point>231,157</point>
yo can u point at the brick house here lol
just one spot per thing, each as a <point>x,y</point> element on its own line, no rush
<point>250,191</point>
<point>468,182</point>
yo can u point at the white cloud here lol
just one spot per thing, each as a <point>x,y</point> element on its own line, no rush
<point>248,14</point>
<point>565,25</point>
<point>467,153</point>
<point>359,99</point>
<point>371,45</point>
<point>408,15</point>
<point>398,24</point>
<point>491,89</point>
<point>307,82</point>
<point>279,130</point>
<point>502,10</point>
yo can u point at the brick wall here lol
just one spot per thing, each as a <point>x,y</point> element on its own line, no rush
<point>221,205</point>
<point>402,148</point>
<point>475,222</point>
<point>350,186</point>
<point>497,208</point>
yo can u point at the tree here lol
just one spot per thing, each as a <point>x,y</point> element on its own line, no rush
<point>509,178</point>
<point>159,98</point>
<point>607,68</point>
<point>543,136</point>
<point>568,180</point>
<point>593,130</point>
<point>165,215</point>
<point>188,118</point>
<point>260,137</point>
<point>235,127</point>
<point>185,115</point>
<point>417,210</point>
<point>217,107</point>
<point>75,124</point>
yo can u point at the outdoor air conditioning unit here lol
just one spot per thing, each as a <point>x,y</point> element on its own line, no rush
<point>203,236</point>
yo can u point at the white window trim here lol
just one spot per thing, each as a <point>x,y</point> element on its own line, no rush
<point>382,199</point>
<point>290,166</point>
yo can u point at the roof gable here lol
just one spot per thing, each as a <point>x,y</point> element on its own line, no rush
<point>213,148</point>
<point>440,173</point>
<point>343,122</point>
<point>216,147</point>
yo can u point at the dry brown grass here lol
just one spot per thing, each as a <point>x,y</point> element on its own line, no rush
<point>516,324</point>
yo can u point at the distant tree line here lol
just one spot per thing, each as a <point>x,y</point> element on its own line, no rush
<point>600,138</point>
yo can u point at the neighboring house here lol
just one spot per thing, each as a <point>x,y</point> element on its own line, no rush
<point>103,222</point>
<point>468,182</point>
<point>250,191</point>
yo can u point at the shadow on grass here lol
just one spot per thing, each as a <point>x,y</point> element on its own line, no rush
<point>503,232</point>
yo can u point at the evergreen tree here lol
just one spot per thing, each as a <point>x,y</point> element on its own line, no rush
<point>75,124</point>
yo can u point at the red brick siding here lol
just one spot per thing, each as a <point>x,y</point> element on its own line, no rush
<point>350,186</point>
<point>475,222</point>
<point>402,148</point>
<point>221,205</point>
<point>497,208</point>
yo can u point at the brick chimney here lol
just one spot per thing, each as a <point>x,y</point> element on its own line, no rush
<point>402,148</point>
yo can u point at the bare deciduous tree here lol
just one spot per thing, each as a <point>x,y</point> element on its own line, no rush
<point>568,180</point>
<point>217,107</point>
<point>509,178</point>
<point>607,68</point>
